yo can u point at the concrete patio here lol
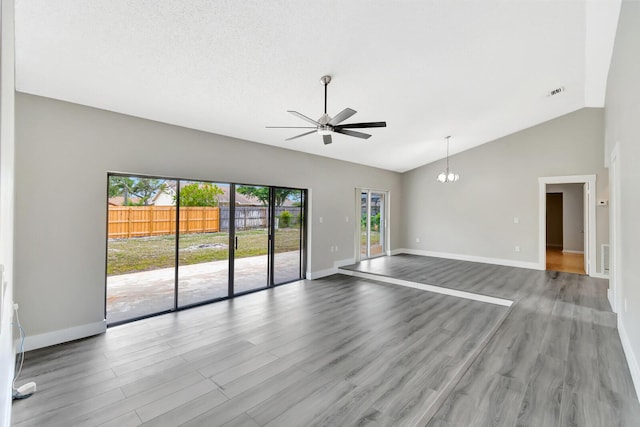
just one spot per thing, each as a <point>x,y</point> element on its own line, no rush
<point>138,294</point>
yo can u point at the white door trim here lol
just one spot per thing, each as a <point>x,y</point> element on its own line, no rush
<point>386,215</point>
<point>615,239</point>
<point>590,209</point>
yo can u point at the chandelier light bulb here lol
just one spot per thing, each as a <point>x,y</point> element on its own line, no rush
<point>448,176</point>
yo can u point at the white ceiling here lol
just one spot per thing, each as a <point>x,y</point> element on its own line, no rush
<point>476,70</point>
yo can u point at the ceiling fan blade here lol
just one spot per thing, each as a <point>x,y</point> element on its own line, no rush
<point>353,133</point>
<point>342,116</point>
<point>303,117</point>
<point>290,127</point>
<point>302,134</point>
<point>362,125</point>
<point>327,139</point>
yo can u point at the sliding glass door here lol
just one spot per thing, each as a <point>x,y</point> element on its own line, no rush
<point>140,243</point>
<point>251,239</point>
<point>373,223</point>
<point>175,243</point>
<point>203,243</point>
<point>288,235</point>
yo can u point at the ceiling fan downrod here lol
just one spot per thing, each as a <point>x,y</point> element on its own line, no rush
<point>327,125</point>
<point>325,80</point>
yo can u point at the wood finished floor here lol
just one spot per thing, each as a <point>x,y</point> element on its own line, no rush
<point>344,351</point>
<point>564,261</point>
<point>338,351</point>
<point>556,360</point>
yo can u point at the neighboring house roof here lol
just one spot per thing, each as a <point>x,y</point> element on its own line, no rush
<point>119,200</point>
<point>241,199</point>
<point>166,197</point>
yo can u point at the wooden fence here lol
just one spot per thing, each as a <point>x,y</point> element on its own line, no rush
<point>250,217</point>
<point>140,221</point>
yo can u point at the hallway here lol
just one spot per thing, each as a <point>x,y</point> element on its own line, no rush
<point>566,262</point>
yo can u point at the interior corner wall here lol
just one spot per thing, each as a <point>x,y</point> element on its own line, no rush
<point>622,113</point>
<point>63,154</point>
<point>7,146</point>
<point>474,218</point>
<point>572,215</point>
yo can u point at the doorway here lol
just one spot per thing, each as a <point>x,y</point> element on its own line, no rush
<point>176,243</point>
<point>565,228</point>
<point>574,251</point>
<point>372,229</point>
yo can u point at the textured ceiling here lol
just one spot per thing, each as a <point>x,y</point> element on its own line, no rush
<point>476,70</point>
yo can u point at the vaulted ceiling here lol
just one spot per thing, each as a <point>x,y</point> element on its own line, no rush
<point>476,70</point>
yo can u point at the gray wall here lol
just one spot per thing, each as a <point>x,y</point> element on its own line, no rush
<point>572,215</point>
<point>622,113</point>
<point>498,182</point>
<point>63,154</point>
<point>6,207</point>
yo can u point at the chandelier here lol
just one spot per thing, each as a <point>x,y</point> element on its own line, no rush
<point>448,176</point>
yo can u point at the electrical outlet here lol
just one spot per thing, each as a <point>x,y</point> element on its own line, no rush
<point>417,240</point>
<point>336,248</point>
<point>517,248</point>
<point>347,218</point>
<point>516,220</point>
<point>320,220</point>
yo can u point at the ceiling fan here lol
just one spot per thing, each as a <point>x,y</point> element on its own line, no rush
<point>326,124</point>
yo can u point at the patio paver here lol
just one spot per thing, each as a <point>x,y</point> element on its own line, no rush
<point>137,294</point>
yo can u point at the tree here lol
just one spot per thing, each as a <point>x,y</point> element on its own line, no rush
<point>199,195</point>
<point>120,186</point>
<point>262,194</point>
<point>144,189</point>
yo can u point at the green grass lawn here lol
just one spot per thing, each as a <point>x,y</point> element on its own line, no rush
<point>375,237</point>
<point>150,253</point>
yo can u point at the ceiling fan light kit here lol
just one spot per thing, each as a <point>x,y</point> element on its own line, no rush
<point>447,175</point>
<point>326,125</point>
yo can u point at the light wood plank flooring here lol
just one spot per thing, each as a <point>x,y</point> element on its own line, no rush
<point>346,351</point>
<point>565,261</point>
<point>338,351</point>
<point>556,360</point>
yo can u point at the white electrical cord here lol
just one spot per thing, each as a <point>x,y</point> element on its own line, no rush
<point>17,394</point>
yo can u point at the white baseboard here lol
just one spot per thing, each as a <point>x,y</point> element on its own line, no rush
<point>569,251</point>
<point>599,275</point>
<point>473,258</point>
<point>610,298</point>
<point>343,262</point>
<point>632,361</point>
<point>312,275</point>
<point>63,335</point>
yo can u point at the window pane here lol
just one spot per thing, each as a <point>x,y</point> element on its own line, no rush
<point>140,247</point>
<point>287,235</point>
<point>203,272</point>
